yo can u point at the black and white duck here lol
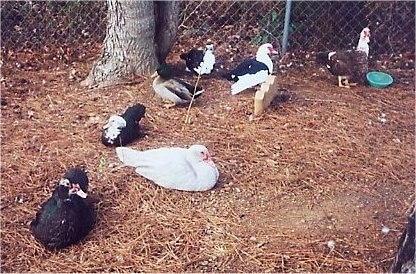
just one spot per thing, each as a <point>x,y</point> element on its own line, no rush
<point>173,90</point>
<point>67,216</point>
<point>252,72</point>
<point>348,64</point>
<point>200,61</point>
<point>124,129</point>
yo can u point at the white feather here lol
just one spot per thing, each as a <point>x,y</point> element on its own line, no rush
<point>248,81</point>
<point>207,64</point>
<point>364,40</point>
<point>113,128</point>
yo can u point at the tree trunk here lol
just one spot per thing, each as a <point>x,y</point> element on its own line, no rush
<point>130,47</point>
<point>167,20</point>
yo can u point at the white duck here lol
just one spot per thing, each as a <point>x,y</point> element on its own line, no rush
<point>252,72</point>
<point>188,169</point>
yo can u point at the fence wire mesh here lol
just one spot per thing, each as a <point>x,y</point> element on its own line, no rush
<point>73,28</point>
<point>62,29</point>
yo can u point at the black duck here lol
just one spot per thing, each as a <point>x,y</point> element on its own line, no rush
<point>67,216</point>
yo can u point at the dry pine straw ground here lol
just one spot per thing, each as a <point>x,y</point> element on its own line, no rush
<point>320,166</point>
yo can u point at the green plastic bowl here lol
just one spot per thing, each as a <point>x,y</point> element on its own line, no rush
<point>379,79</point>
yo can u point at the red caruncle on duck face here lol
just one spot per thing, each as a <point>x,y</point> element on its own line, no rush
<point>272,50</point>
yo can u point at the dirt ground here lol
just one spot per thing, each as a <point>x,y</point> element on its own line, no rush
<point>322,164</point>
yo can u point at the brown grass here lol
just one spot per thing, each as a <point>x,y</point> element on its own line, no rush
<point>318,167</point>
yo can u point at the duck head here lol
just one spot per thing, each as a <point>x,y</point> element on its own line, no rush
<point>364,40</point>
<point>63,189</point>
<point>209,46</point>
<point>66,189</point>
<point>77,190</point>
<point>77,176</point>
<point>163,71</point>
<point>75,181</point>
<point>199,153</point>
<point>266,49</point>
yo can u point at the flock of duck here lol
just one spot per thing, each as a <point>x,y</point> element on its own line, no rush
<point>68,215</point>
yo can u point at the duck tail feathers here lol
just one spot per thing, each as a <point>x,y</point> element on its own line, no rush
<point>199,91</point>
<point>227,76</point>
<point>128,156</point>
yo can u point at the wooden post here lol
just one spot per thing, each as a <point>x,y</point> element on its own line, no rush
<point>264,96</point>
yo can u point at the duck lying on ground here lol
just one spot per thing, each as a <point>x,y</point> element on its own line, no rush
<point>124,129</point>
<point>67,216</point>
<point>173,90</point>
<point>188,169</point>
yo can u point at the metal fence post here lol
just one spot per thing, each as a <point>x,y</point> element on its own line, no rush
<point>286,25</point>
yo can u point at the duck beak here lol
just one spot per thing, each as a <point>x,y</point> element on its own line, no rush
<point>154,74</point>
<point>76,189</point>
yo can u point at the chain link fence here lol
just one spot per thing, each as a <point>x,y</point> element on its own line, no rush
<point>56,29</point>
<point>72,29</point>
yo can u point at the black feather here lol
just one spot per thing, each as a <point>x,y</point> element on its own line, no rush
<point>64,219</point>
<point>350,63</point>
<point>193,59</point>
<point>249,66</point>
<point>322,57</point>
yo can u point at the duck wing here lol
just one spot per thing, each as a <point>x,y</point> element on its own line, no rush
<point>248,67</point>
<point>58,223</point>
<point>342,63</point>
<point>85,212</point>
<point>166,167</point>
<point>133,115</point>
<point>182,89</point>
<point>351,63</point>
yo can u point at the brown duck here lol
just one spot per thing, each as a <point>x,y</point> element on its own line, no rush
<point>348,64</point>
